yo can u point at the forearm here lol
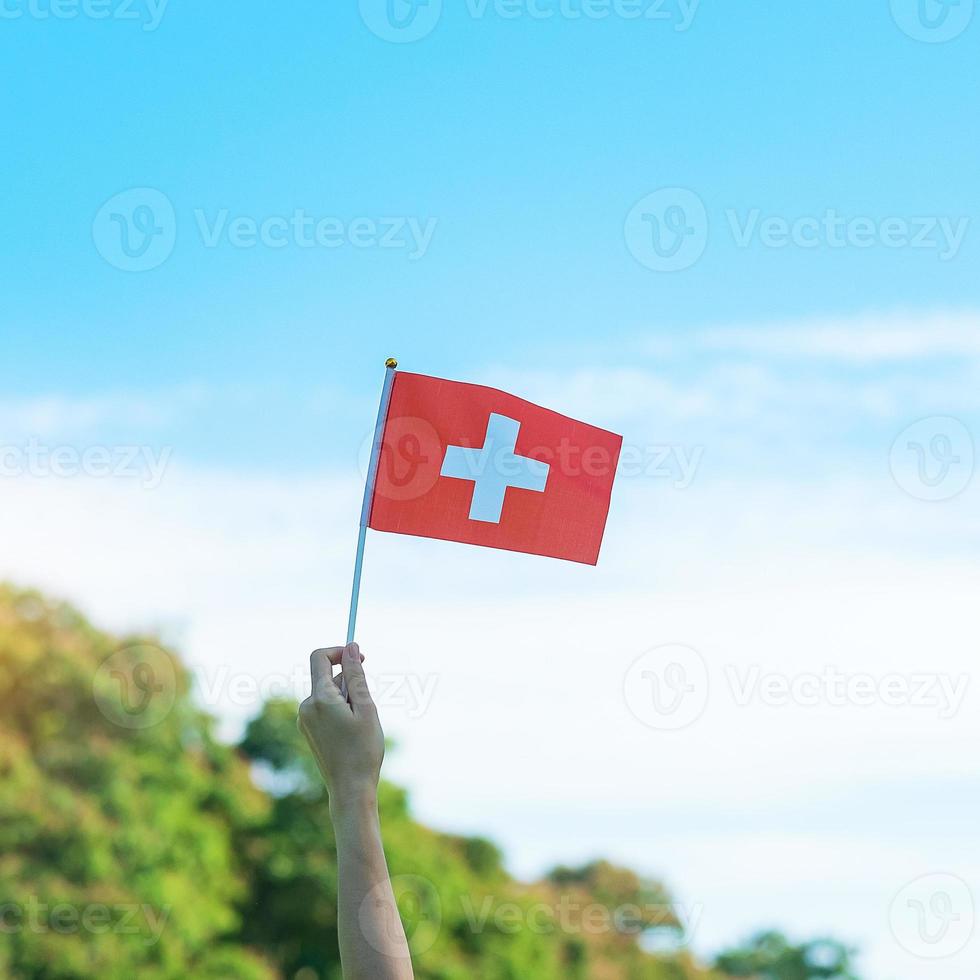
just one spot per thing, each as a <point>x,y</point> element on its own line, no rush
<point>371,936</point>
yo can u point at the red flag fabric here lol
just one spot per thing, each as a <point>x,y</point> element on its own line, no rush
<point>462,462</point>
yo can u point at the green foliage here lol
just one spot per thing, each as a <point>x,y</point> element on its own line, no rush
<point>770,956</point>
<point>134,844</point>
<point>464,915</point>
<point>117,854</point>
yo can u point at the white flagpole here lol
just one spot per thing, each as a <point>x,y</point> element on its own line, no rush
<point>372,477</point>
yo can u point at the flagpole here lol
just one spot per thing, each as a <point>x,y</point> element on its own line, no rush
<point>372,476</point>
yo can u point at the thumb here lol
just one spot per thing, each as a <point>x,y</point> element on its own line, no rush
<point>321,666</point>
<point>353,670</point>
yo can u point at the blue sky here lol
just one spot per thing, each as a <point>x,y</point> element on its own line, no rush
<point>803,394</point>
<point>527,140</point>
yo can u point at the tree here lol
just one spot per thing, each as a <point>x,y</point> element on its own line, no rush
<point>770,956</point>
<point>117,815</point>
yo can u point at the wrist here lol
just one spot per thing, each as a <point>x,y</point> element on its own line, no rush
<point>357,800</point>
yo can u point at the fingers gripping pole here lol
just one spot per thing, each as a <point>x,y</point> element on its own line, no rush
<point>391,364</point>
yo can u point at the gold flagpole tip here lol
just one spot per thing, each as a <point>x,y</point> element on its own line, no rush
<point>391,363</point>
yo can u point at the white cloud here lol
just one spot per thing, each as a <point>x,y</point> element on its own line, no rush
<point>60,416</point>
<point>863,339</point>
<point>819,382</point>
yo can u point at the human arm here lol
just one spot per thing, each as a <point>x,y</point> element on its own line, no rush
<point>347,741</point>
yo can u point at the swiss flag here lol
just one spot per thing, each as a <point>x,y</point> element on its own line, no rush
<point>462,462</point>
